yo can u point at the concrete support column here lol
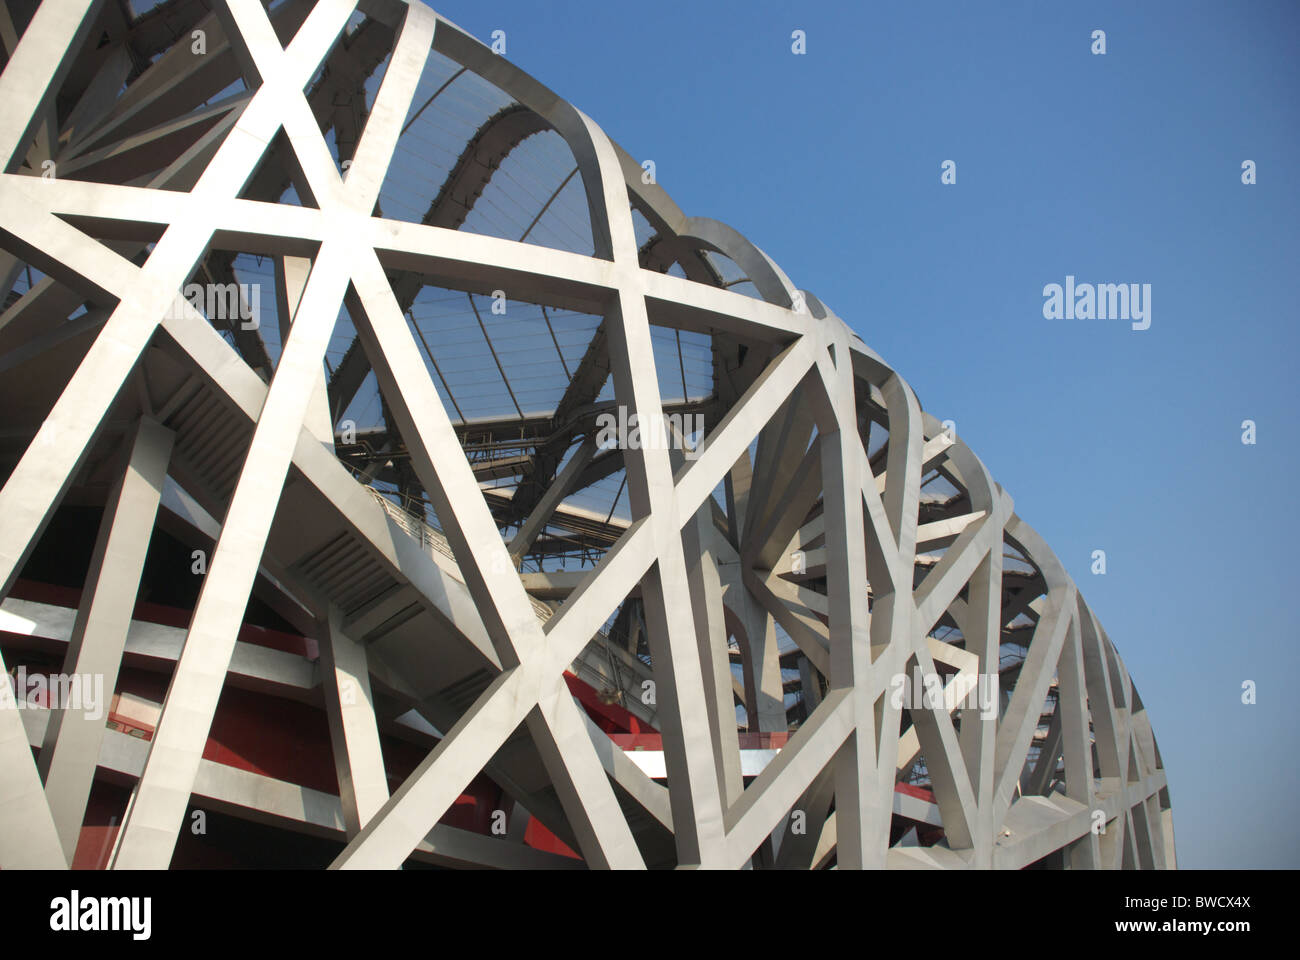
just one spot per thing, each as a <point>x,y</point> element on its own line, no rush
<point>349,703</point>
<point>1072,705</point>
<point>860,812</point>
<point>711,639</point>
<point>73,737</point>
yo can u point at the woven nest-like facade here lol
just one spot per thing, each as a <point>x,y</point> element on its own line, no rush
<point>335,355</point>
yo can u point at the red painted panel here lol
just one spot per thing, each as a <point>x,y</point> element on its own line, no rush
<point>539,838</point>
<point>610,717</point>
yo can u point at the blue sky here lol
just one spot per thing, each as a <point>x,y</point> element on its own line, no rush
<point>1122,168</point>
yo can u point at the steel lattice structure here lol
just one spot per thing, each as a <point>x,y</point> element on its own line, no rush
<point>137,165</point>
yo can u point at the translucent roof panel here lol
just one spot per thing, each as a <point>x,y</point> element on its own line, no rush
<point>493,358</point>
<point>536,195</point>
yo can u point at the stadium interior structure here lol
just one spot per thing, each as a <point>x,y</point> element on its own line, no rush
<point>316,320</point>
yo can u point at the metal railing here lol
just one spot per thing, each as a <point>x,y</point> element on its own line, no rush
<point>417,527</point>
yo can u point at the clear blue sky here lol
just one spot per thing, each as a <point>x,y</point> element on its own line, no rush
<point>1117,168</point>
